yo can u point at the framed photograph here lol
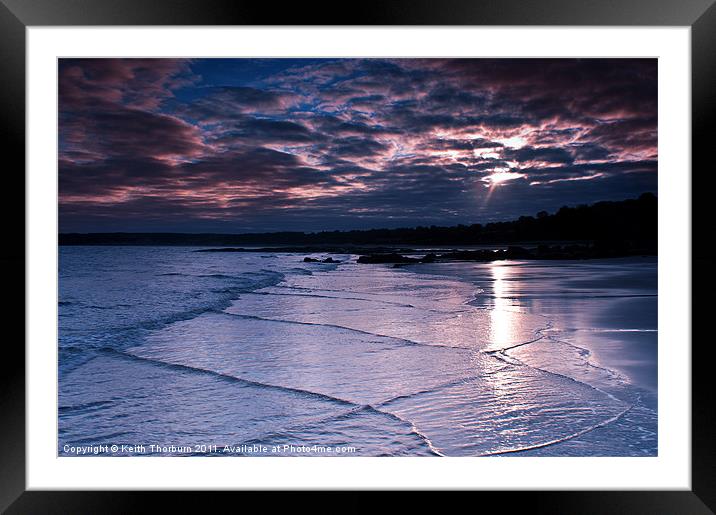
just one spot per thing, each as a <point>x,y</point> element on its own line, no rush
<point>416,249</point>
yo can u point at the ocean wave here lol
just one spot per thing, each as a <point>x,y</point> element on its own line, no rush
<point>405,362</point>
<point>121,332</point>
<point>227,377</point>
<point>301,271</point>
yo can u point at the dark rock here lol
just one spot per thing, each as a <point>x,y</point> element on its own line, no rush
<point>518,253</point>
<point>314,260</point>
<point>471,255</point>
<point>225,249</point>
<point>386,258</point>
<point>311,249</point>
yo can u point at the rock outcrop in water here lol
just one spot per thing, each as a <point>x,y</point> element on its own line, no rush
<point>393,257</point>
<point>322,249</point>
<point>599,250</point>
<point>314,260</point>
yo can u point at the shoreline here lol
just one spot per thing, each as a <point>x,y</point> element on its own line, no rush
<point>400,256</point>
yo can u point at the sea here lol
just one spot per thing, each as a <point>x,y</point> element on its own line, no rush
<point>165,351</point>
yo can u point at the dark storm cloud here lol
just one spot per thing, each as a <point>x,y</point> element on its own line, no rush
<point>624,134</point>
<point>219,104</point>
<point>109,108</point>
<point>589,151</point>
<point>256,131</point>
<point>452,144</point>
<point>335,126</point>
<point>367,102</point>
<point>238,172</point>
<point>142,83</point>
<point>356,146</point>
<point>320,144</point>
<point>119,131</point>
<point>245,96</point>
<point>546,154</point>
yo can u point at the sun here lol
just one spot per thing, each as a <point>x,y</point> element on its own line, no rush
<point>498,178</point>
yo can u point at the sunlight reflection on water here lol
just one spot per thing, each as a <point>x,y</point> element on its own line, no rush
<point>506,322</point>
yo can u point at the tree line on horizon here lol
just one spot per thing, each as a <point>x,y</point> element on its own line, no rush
<point>632,221</point>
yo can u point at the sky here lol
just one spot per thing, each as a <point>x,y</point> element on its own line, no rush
<point>259,145</point>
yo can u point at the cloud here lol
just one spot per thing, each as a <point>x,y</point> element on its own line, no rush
<point>116,131</point>
<point>256,131</point>
<point>356,146</point>
<point>539,154</point>
<point>215,105</point>
<point>372,142</point>
<point>140,83</point>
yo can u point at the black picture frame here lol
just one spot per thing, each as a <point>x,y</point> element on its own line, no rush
<point>700,15</point>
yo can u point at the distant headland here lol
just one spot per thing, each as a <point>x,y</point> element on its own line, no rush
<point>604,229</point>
